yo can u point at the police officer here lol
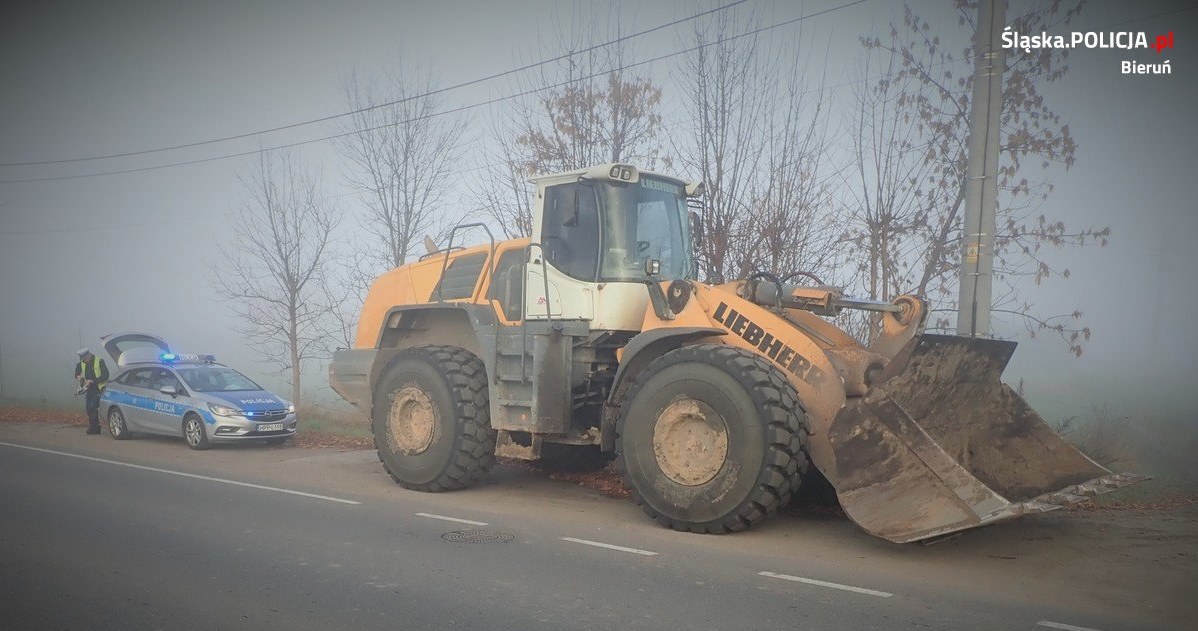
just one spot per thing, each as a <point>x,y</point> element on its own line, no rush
<point>92,375</point>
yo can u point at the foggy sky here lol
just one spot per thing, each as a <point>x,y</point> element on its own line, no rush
<point>84,257</point>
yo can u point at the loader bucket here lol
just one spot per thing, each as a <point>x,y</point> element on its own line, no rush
<point>943,445</point>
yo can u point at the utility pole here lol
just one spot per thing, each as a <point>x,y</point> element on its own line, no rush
<point>981,183</point>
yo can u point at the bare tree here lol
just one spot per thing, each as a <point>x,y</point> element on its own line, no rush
<point>725,107</point>
<point>275,269</point>
<point>403,152</point>
<point>597,111</point>
<point>600,111</point>
<point>344,290</point>
<point>914,223</point>
<point>591,121</point>
<point>788,228</point>
<point>759,146</point>
<point>501,191</point>
<point>888,204</point>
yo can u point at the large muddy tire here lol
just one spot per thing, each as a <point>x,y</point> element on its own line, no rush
<point>431,423</point>
<point>711,439</point>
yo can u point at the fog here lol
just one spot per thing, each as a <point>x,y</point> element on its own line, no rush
<point>135,251</point>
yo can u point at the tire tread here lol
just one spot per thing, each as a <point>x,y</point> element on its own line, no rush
<point>785,458</point>
<point>474,453</point>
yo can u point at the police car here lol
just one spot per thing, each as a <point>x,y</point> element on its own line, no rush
<point>157,391</point>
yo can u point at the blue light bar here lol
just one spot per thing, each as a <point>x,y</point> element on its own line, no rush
<point>186,357</point>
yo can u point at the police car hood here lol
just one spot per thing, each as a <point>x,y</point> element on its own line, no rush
<point>248,400</point>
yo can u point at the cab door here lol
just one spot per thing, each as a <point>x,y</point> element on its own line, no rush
<point>562,273</point>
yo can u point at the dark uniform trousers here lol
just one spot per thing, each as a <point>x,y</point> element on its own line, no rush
<point>92,405</point>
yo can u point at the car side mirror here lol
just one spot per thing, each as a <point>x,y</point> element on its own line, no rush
<point>171,390</point>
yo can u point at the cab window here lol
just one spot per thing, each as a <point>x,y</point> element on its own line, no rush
<point>507,283</point>
<point>647,220</point>
<point>570,230</point>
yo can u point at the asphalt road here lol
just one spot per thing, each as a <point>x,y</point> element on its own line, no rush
<point>146,534</point>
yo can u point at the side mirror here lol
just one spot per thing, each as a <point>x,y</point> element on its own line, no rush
<point>171,390</point>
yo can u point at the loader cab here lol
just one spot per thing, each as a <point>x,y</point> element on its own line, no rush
<point>598,229</point>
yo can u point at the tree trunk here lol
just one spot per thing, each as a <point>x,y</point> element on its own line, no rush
<point>293,344</point>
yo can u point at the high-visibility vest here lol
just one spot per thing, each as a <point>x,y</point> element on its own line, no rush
<point>95,371</point>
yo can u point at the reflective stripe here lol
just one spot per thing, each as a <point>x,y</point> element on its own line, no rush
<point>144,403</point>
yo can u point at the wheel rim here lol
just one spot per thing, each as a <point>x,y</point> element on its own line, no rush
<point>412,421</point>
<point>193,432</point>
<point>690,442</point>
<point>116,426</point>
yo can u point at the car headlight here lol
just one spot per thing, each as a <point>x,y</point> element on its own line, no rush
<point>222,410</point>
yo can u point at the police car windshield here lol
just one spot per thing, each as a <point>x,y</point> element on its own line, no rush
<point>216,379</point>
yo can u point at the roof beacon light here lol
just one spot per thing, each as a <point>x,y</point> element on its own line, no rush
<point>168,358</point>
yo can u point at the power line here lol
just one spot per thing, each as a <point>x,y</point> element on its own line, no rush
<point>443,112</point>
<point>324,119</point>
<point>116,226</point>
<point>1149,17</point>
<point>479,168</point>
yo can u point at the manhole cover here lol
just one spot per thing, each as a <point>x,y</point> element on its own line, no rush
<point>478,536</point>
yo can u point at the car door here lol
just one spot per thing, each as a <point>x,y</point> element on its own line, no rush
<point>116,394</point>
<point>166,410</point>
<point>138,400</point>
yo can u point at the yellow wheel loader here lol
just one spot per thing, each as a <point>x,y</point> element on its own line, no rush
<point>594,340</point>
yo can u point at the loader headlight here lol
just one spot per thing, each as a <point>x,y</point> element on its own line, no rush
<point>223,410</point>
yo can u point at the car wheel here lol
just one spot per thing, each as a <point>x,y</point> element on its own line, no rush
<point>431,421</point>
<point>117,428</point>
<point>195,433</point>
<point>711,439</point>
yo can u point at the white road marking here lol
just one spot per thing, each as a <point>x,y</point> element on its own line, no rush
<point>1060,625</point>
<point>609,546</point>
<point>185,475</point>
<point>457,519</point>
<point>812,581</point>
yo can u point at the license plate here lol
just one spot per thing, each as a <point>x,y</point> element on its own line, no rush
<point>270,427</point>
